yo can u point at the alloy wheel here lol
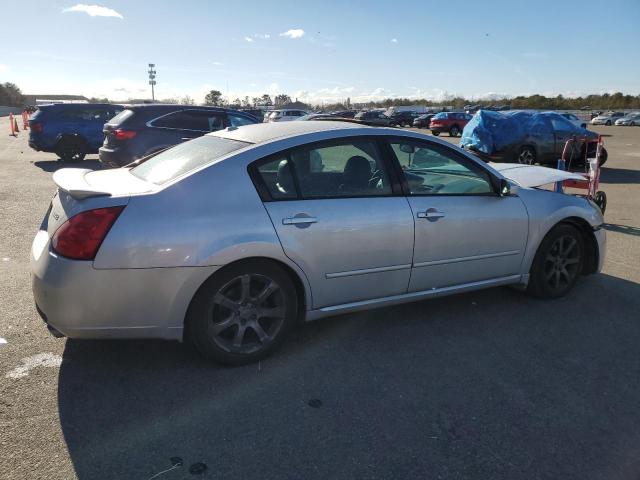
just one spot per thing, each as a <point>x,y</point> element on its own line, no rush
<point>247,314</point>
<point>562,263</point>
<point>526,157</point>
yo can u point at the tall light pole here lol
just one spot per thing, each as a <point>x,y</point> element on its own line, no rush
<point>152,80</point>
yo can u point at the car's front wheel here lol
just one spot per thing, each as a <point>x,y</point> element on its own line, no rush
<point>608,123</point>
<point>434,133</point>
<point>454,131</point>
<point>558,263</point>
<point>242,313</point>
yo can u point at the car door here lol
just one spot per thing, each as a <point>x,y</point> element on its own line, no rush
<point>340,219</point>
<point>464,232</point>
<point>563,131</point>
<point>541,136</point>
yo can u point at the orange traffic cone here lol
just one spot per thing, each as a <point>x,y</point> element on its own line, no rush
<point>25,120</point>
<point>12,125</point>
<point>15,125</point>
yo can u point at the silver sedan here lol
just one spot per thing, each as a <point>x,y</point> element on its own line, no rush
<point>230,239</point>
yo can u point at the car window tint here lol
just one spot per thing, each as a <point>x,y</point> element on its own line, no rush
<point>191,120</point>
<point>277,177</point>
<point>350,169</point>
<point>561,124</point>
<point>183,158</point>
<point>238,121</point>
<point>434,171</point>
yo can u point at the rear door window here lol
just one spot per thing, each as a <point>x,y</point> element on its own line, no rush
<point>238,120</point>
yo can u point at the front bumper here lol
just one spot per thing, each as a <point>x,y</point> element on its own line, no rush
<point>80,301</point>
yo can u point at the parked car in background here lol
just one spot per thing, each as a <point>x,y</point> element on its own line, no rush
<point>345,113</point>
<point>403,118</point>
<point>527,137</point>
<point>608,118</point>
<point>631,119</point>
<point>423,121</point>
<point>70,130</point>
<point>575,120</point>
<point>142,130</point>
<point>231,239</point>
<point>451,122</point>
<point>374,118</point>
<point>256,112</point>
<point>285,115</point>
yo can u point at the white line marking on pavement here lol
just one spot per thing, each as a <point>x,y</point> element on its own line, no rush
<point>2,341</point>
<point>34,361</point>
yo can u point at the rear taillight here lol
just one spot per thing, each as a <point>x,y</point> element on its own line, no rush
<point>36,127</point>
<point>121,134</point>
<point>80,237</point>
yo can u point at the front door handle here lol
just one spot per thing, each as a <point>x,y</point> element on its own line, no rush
<point>431,214</point>
<point>299,220</point>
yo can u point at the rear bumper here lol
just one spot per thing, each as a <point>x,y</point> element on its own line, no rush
<point>113,157</point>
<point>80,301</point>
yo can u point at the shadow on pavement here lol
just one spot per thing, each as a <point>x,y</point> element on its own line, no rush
<point>626,229</point>
<point>53,165</point>
<point>619,175</point>
<point>489,384</point>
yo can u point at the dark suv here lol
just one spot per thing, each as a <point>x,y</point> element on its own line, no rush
<point>141,130</point>
<point>70,130</point>
<point>374,118</point>
<point>403,119</point>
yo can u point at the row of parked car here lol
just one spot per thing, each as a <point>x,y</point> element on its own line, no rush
<point>618,118</point>
<point>123,134</point>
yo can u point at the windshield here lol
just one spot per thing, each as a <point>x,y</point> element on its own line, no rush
<point>183,158</point>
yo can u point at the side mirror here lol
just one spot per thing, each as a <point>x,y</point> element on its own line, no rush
<point>505,188</point>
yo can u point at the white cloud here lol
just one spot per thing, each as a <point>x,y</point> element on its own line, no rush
<point>93,10</point>
<point>262,36</point>
<point>293,33</point>
<point>249,39</point>
<point>394,40</point>
<point>4,68</point>
<point>217,64</point>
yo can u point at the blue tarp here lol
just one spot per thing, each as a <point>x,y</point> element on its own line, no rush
<point>491,132</point>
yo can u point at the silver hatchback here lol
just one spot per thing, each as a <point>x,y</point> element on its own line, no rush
<point>230,239</point>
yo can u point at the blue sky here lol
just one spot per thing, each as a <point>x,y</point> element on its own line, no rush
<point>322,50</point>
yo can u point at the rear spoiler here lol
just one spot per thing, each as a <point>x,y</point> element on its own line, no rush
<point>72,181</point>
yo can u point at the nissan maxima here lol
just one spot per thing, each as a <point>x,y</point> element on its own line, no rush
<point>230,239</point>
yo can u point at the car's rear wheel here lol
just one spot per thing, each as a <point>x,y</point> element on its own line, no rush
<point>558,263</point>
<point>242,313</point>
<point>71,150</point>
<point>454,131</point>
<point>434,133</point>
<point>527,155</point>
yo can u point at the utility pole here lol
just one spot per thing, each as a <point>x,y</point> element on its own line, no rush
<point>152,80</point>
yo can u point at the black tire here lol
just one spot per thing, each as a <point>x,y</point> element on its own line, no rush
<point>71,150</point>
<point>600,199</point>
<point>604,155</point>
<point>558,263</point>
<point>526,155</point>
<point>454,131</point>
<point>226,320</point>
<point>608,123</point>
<point>435,134</point>
<point>632,124</point>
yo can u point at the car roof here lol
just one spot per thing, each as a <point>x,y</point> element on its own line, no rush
<point>173,106</point>
<point>265,132</point>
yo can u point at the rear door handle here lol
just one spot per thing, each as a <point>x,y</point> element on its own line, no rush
<point>299,220</point>
<point>431,214</point>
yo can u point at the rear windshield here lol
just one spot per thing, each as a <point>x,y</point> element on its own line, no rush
<point>121,117</point>
<point>185,157</point>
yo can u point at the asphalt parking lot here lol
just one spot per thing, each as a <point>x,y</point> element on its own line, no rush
<point>485,385</point>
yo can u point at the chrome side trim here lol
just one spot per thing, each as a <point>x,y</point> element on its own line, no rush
<point>466,259</point>
<point>367,270</point>
<point>412,296</point>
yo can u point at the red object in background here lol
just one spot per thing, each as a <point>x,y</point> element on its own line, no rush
<point>450,122</point>
<point>121,134</point>
<point>36,127</point>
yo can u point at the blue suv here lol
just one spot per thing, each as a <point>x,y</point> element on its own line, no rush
<point>142,130</point>
<point>70,130</point>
